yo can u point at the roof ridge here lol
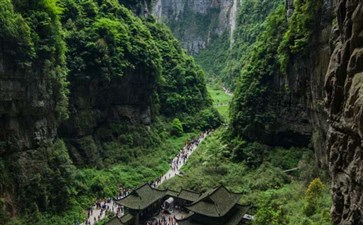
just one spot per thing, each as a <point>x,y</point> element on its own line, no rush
<point>207,194</point>
<point>239,193</point>
<point>183,189</point>
<point>215,189</point>
<point>217,208</point>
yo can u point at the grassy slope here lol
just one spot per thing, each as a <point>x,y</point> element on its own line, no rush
<point>220,100</point>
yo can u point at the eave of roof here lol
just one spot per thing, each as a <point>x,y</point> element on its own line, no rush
<point>126,218</point>
<point>189,195</point>
<point>114,221</point>
<point>234,219</point>
<point>142,197</point>
<point>237,216</point>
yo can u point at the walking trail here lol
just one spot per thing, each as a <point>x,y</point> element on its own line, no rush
<point>97,212</point>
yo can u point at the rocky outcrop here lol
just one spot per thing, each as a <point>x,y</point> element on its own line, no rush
<point>27,129</point>
<point>197,22</point>
<point>97,104</point>
<point>344,88</point>
<point>334,75</point>
<point>30,91</point>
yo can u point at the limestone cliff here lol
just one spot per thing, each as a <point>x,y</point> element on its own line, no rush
<point>32,87</point>
<point>316,99</point>
<point>330,83</point>
<point>305,79</point>
<point>334,103</point>
<point>344,104</point>
<point>97,104</point>
<point>197,22</point>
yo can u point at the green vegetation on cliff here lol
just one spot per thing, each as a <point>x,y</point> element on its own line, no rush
<point>33,51</point>
<point>126,72</point>
<point>182,88</point>
<point>264,88</point>
<point>250,115</point>
<point>32,39</point>
<point>224,60</point>
<point>298,36</point>
<point>251,16</point>
<point>128,78</point>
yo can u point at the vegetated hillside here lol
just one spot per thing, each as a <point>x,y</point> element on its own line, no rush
<point>128,78</point>
<point>34,165</point>
<point>124,72</point>
<point>300,86</point>
<point>225,57</point>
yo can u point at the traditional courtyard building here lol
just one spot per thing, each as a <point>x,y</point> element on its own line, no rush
<point>216,207</point>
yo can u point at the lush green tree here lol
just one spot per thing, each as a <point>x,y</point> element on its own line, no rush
<point>271,213</point>
<point>177,127</point>
<point>312,196</point>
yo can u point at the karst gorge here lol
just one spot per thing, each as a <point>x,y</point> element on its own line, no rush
<point>174,112</point>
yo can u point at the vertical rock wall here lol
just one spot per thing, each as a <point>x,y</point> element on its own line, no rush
<point>344,88</point>
<point>197,22</point>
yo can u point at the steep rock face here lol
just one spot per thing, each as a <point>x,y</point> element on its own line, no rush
<point>30,102</point>
<point>196,22</point>
<point>305,79</point>
<point>344,104</point>
<point>96,104</point>
<point>333,73</point>
<point>27,127</point>
<point>301,116</point>
<point>292,109</point>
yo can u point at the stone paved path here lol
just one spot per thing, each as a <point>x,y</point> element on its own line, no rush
<point>179,161</point>
<point>175,166</point>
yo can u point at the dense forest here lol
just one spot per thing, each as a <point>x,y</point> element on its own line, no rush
<point>109,82</point>
<point>101,96</point>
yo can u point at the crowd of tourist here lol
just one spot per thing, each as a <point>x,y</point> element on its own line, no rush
<point>122,192</point>
<point>183,155</point>
<point>181,158</point>
<point>97,212</point>
<point>170,220</point>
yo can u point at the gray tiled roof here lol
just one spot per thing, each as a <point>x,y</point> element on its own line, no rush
<point>142,197</point>
<point>234,219</point>
<point>215,203</point>
<point>125,219</point>
<point>189,195</point>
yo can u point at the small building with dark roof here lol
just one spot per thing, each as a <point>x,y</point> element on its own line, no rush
<point>142,203</point>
